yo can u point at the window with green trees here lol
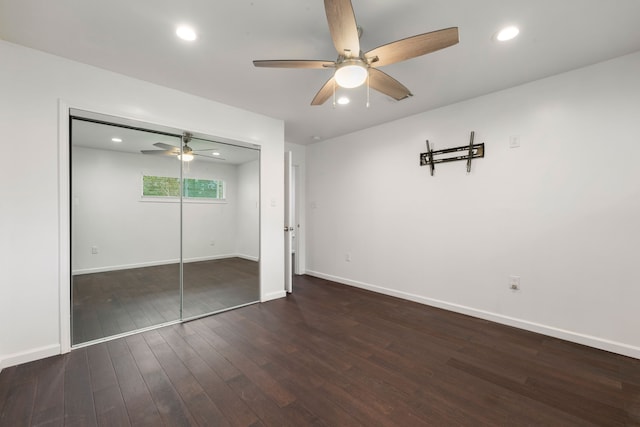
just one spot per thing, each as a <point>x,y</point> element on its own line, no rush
<point>165,186</point>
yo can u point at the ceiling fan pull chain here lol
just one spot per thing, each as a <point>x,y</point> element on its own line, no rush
<point>368,87</point>
<point>334,93</point>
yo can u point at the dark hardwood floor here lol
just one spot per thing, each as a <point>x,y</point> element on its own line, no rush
<point>327,355</point>
<point>114,302</point>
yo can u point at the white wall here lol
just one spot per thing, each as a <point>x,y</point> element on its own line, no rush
<point>34,226</point>
<point>562,211</point>
<point>248,221</point>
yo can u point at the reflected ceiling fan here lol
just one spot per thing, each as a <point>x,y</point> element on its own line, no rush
<point>353,67</point>
<point>186,154</point>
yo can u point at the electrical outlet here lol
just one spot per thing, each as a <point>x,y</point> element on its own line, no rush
<point>94,250</point>
<point>347,257</point>
<point>212,243</point>
<point>514,283</point>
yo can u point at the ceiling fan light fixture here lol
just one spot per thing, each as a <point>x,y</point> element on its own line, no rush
<point>343,100</point>
<point>185,157</point>
<point>351,74</point>
<point>187,153</point>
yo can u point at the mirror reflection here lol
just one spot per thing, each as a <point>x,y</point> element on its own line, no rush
<point>165,227</point>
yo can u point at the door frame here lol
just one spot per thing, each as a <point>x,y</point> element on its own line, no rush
<point>297,220</point>
<point>64,225</point>
<point>289,220</point>
<point>64,218</point>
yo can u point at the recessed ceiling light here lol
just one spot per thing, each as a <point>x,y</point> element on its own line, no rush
<point>215,153</point>
<point>186,33</point>
<point>316,138</point>
<point>115,139</point>
<point>507,33</point>
<point>343,100</point>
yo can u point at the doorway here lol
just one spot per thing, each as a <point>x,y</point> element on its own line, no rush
<point>164,226</point>
<point>292,231</point>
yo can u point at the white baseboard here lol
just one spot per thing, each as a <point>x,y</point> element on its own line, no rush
<point>153,264</point>
<point>247,257</point>
<point>29,356</point>
<point>121,267</point>
<point>273,295</point>
<point>209,258</point>
<point>588,340</point>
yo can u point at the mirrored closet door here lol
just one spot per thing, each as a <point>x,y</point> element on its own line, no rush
<point>164,226</point>
<point>220,228</point>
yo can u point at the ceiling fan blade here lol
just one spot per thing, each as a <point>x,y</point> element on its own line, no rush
<point>324,93</point>
<point>411,47</point>
<point>386,84</point>
<point>166,146</point>
<point>286,63</point>
<point>210,157</point>
<point>159,152</point>
<point>343,27</point>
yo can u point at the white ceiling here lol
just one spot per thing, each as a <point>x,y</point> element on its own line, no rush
<point>136,38</point>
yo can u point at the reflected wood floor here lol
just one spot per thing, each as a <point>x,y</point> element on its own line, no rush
<point>113,302</point>
<point>327,355</point>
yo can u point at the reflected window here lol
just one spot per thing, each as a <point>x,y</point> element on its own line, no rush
<point>165,186</point>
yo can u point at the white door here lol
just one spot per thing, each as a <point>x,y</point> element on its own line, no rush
<point>289,218</point>
<point>295,249</point>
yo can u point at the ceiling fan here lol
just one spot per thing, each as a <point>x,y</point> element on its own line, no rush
<point>186,154</point>
<point>353,67</point>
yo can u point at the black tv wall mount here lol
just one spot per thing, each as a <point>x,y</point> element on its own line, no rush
<point>473,151</point>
